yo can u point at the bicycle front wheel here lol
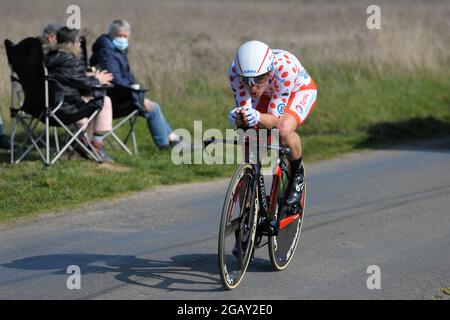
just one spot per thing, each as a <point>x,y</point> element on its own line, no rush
<point>238,227</point>
<point>283,246</point>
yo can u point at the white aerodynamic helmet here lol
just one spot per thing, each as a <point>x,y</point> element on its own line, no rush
<point>253,58</point>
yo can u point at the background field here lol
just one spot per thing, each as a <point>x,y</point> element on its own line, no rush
<point>376,87</point>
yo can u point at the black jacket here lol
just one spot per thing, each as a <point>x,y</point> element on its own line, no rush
<point>70,73</point>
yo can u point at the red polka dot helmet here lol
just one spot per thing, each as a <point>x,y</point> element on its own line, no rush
<point>253,59</point>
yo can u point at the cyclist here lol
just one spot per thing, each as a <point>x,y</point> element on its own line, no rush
<point>273,90</point>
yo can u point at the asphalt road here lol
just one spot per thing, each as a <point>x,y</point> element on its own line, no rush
<point>389,208</point>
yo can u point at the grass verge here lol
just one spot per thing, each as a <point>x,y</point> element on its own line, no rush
<point>356,109</point>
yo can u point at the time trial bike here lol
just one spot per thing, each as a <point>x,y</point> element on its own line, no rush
<point>251,218</point>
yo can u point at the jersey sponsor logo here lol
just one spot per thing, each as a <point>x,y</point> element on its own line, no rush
<point>304,74</point>
<point>304,100</point>
<point>280,107</point>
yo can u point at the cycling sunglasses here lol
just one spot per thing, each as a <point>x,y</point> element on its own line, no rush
<point>250,81</point>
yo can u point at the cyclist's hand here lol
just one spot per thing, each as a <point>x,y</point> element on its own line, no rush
<point>241,120</point>
<point>252,116</point>
<point>233,116</point>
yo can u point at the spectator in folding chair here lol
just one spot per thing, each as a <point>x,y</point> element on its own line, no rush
<point>48,37</point>
<point>48,40</point>
<point>4,140</point>
<point>109,52</point>
<point>65,66</point>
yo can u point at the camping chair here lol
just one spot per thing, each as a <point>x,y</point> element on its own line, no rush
<point>126,112</point>
<point>16,98</point>
<point>39,105</point>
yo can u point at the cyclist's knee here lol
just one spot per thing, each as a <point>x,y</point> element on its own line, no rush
<point>284,132</point>
<point>286,127</point>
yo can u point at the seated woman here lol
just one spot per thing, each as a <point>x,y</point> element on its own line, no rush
<point>75,87</point>
<point>109,52</point>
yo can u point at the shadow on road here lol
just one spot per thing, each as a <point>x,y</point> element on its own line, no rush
<point>187,273</point>
<point>383,135</point>
<point>191,273</point>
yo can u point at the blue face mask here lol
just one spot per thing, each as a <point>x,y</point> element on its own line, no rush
<point>120,43</point>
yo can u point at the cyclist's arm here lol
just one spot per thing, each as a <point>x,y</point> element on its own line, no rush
<point>267,121</point>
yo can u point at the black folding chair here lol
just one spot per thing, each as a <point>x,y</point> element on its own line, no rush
<point>127,103</point>
<point>39,105</point>
<point>16,97</point>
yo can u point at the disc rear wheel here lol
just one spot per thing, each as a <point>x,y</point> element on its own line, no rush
<point>283,246</point>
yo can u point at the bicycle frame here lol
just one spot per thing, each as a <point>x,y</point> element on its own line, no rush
<point>268,204</point>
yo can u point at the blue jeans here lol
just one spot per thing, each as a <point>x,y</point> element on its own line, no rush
<point>158,125</point>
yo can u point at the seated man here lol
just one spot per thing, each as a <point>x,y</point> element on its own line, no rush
<point>4,140</point>
<point>48,37</point>
<point>109,52</point>
<point>48,40</point>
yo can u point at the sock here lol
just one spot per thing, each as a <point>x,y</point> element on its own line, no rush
<point>98,137</point>
<point>173,137</point>
<point>297,166</point>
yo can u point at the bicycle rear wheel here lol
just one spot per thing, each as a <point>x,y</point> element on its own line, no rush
<point>283,246</point>
<point>238,227</point>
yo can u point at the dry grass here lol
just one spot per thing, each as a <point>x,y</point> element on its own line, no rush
<point>172,40</point>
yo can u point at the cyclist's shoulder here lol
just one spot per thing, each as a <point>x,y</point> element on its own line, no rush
<point>286,63</point>
<point>287,66</point>
<point>284,56</point>
<point>232,71</point>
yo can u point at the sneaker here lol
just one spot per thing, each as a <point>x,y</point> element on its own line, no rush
<point>171,145</point>
<point>298,185</point>
<point>174,143</point>
<point>4,142</point>
<point>166,147</point>
<point>104,157</point>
